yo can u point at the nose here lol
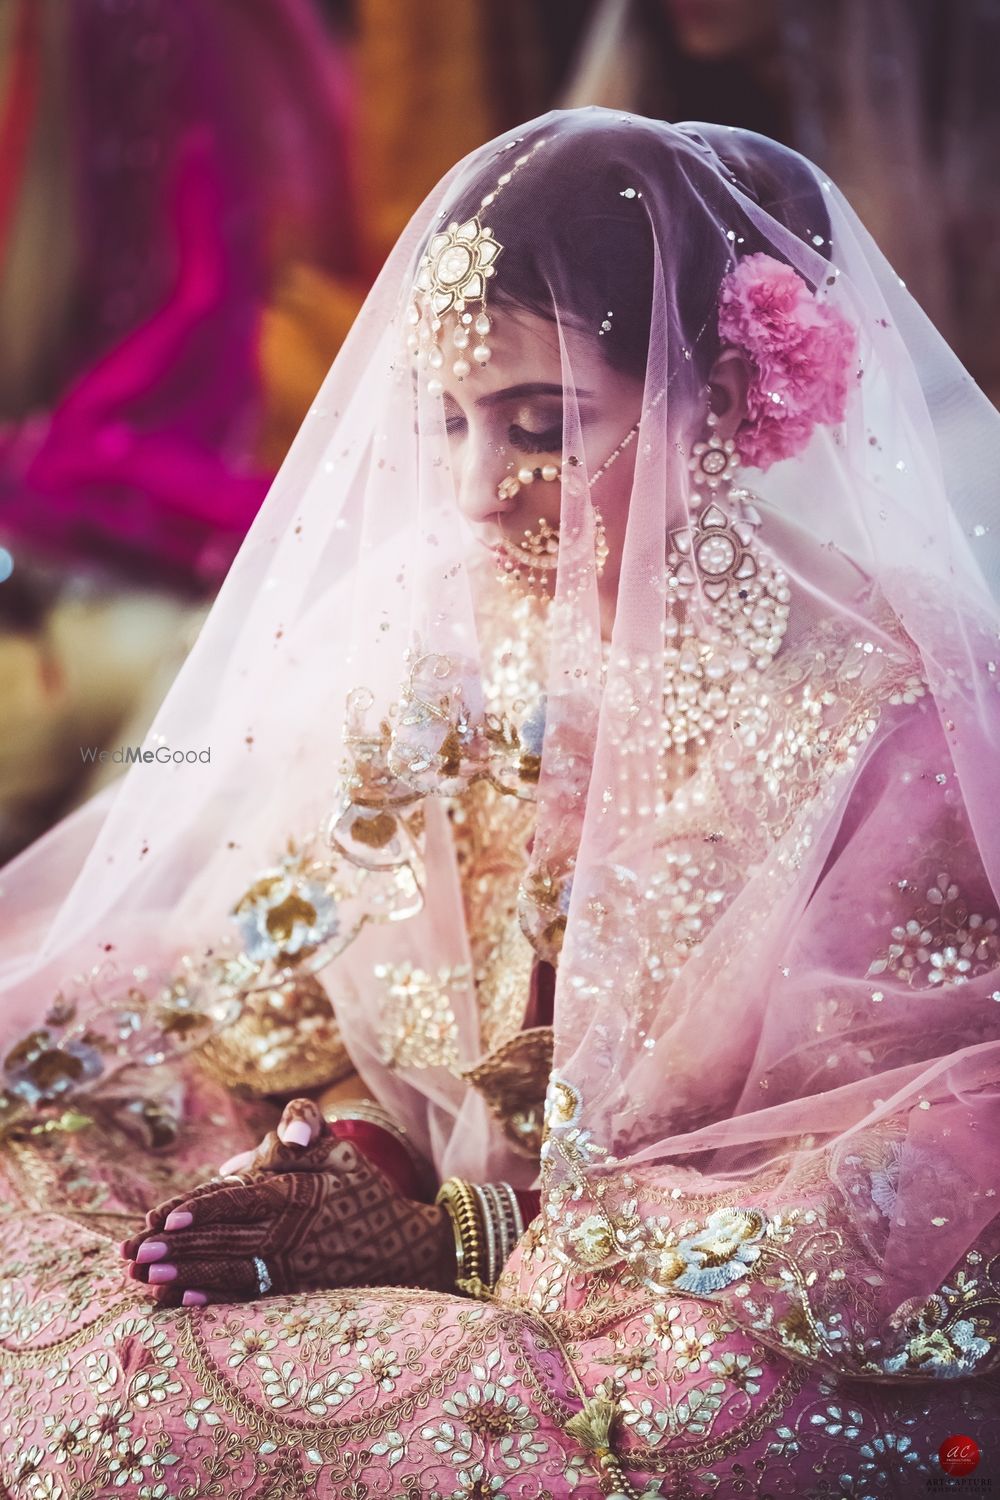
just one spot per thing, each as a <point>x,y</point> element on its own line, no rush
<point>477,492</point>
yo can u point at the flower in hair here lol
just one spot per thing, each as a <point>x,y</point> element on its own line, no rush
<point>800,352</point>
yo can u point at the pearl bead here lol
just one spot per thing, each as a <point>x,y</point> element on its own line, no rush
<point>460,338</point>
<point>461,368</point>
<point>550,472</point>
<point>525,475</point>
<point>435,359</point>
<point>482,354</point>
<point>435,387</point>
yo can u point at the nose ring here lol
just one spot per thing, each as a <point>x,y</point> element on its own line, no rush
<point>514,483</point>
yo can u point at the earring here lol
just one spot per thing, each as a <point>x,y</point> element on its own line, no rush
<point>713,463</point>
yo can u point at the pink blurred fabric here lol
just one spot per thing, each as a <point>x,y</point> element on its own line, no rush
<point>211,149</point>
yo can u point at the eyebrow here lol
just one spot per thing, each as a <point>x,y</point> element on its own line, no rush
<point>529,388</point>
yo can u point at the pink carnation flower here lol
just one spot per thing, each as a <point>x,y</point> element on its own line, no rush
<point>800,351</point>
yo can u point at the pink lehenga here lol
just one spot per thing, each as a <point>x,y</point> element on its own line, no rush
<point>714,752</point>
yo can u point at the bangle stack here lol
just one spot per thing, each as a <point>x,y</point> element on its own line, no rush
<point>372,1113</point>
<point>487,1223</point>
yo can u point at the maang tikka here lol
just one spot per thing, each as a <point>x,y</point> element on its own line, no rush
<point>453,277</point>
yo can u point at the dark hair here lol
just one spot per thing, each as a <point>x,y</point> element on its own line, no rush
<point>587,248</point>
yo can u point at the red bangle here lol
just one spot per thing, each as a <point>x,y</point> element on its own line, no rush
<point>384,1150</point>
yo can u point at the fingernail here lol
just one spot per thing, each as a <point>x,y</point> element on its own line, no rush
<point>123,1250</point>
<point>295,1133</point>
<point>150,1250</point>
<point>178,1218</point>
<point>241,1159</point>
<point>194,1299</point>
<point>159,1274</point>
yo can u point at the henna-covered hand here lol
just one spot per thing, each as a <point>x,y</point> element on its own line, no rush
<point>335,1220</point>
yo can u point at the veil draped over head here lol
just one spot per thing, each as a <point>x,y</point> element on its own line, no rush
<point>737,751</point>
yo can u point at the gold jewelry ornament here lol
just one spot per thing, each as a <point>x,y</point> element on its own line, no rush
<point>727,602</point>
<point>538,552</point>
<point>527,562</point>
<point>459,1201</point>
<point>715,462</point>
<point>454,272</point>
<point>452,278</point>
<point>487,1223</point>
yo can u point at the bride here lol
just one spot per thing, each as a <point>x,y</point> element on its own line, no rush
<point>596,1023</point>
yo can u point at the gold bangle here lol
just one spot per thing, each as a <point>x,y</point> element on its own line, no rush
<point>459,1200</point>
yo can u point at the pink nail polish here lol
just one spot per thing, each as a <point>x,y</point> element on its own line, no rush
<point>296,1133</point>
<point>160,1273</point>
<point>194,1299</point>
<point>178,1218</point>
<point>150,1250</point>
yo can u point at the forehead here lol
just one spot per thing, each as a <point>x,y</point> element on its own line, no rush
<point>525,347</point>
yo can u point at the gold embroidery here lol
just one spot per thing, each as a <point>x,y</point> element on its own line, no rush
<point>285,1040</point>
<point>417,1025</point>
<point>512,1080</point>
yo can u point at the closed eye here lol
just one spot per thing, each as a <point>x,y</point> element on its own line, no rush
<point>535,442</point>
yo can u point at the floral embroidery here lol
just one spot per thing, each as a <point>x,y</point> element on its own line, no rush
<point>936,1341</point>
<point>489,1423</point>
<point>287,912</point>
<point>381,1368</point>
<point>740,1370</point>
<point>721,1252</point>
<point>562,1104</point>
<point>943,943</point>
<point>479,1396</point>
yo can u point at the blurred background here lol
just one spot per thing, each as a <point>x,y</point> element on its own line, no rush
<point>195,196</point>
